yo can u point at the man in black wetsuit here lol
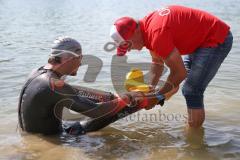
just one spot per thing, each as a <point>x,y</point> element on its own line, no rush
<point>45,94</point>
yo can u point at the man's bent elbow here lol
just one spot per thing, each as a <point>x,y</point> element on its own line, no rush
<point>184,75</point>
<point>180,77</point>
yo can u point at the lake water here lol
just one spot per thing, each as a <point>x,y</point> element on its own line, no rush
<point>27,29</point>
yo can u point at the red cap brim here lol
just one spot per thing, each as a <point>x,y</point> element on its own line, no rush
<point>121,51</point>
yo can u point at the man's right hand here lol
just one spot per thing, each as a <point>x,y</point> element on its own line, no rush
<point>136,98</point>
<point>147,101</point>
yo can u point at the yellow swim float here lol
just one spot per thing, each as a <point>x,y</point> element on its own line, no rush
<point>135,81</point>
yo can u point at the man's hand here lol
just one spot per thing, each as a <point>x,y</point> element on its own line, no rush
<point>152,88</point>
<point>141,100</point>
<point>136,98</point>
<point>154,99</point>
<point>147,101</point>
<point>151,104</point>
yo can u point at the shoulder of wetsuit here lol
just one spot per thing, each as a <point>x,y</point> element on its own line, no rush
<point>49,81</point>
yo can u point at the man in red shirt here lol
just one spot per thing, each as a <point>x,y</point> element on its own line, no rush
<point>169,33</point>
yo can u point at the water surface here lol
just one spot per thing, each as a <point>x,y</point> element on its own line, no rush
<point>27,29</point>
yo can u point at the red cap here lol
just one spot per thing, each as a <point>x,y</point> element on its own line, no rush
<point>122,30</point>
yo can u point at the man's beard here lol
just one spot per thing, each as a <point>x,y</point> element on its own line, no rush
<point>74,72</point>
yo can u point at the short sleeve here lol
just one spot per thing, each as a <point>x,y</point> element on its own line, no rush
<point>162,42</point>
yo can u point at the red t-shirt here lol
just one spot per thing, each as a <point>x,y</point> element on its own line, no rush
<point>183,28</point>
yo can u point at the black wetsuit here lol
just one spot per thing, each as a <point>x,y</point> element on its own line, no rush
<point>42,100</point>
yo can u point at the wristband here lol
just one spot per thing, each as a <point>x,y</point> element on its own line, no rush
<point>160,98</point>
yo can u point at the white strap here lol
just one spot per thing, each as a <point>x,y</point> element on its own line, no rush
<point>62,51</point>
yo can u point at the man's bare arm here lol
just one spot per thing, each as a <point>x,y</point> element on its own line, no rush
<point>177,73</point>
<point>157,67</point>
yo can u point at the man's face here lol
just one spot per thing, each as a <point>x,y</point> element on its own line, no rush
<point>76,62</point>
<point>134,43</point>
<point>71,65</point>
<point>137,41</point>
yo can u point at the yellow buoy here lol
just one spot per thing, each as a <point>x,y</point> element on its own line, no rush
<point>135,81</point>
